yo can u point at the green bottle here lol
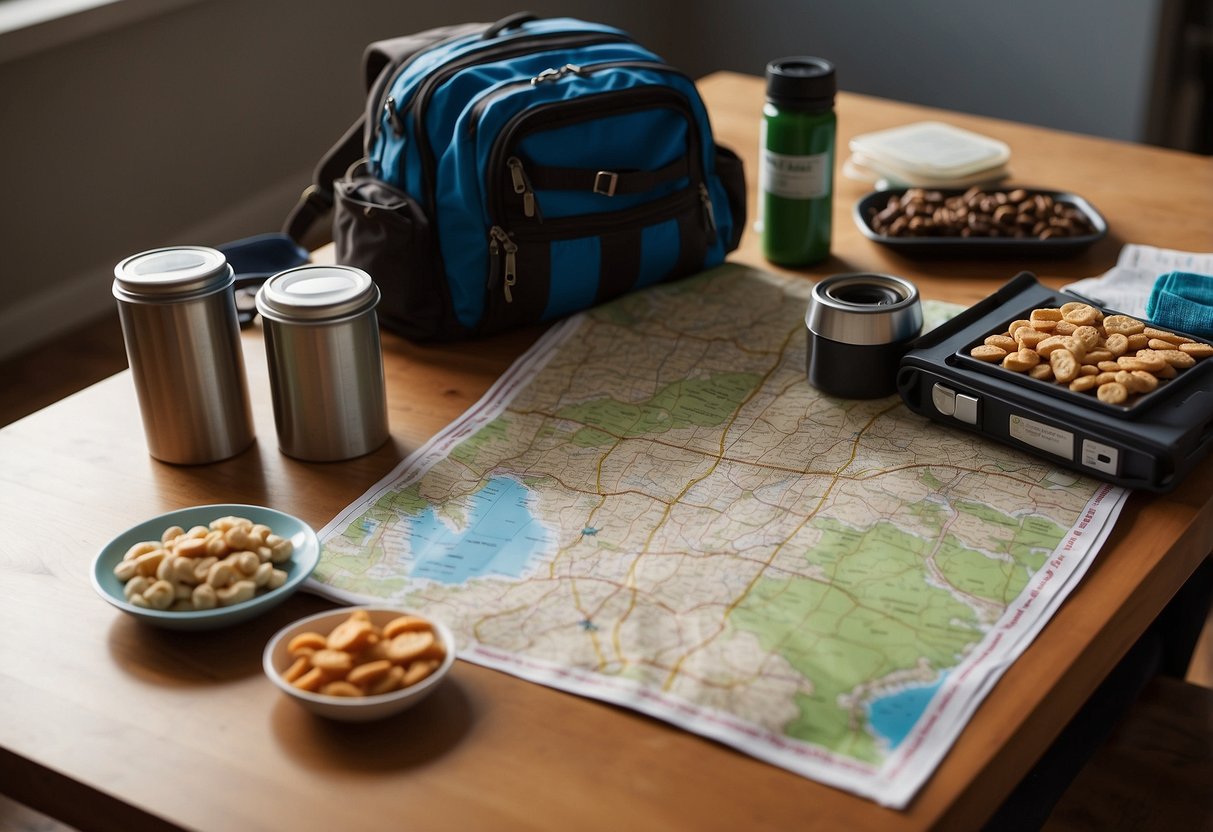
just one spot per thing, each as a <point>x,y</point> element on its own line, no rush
<point>796,161</point>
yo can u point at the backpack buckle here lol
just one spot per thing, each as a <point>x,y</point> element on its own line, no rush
<point>605,182</point>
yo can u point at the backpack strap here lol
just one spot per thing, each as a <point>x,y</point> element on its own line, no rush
<point>379,60</point>
<point>385,56</point>
<point>317,198</point>
<point>606,182</point>
<point>508,22</point>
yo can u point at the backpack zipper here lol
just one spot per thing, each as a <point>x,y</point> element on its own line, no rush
<point>709,212</point>
<point>393,112</point>
<point>599,104</point>
<point>508,242</point>
<point>499,240</point>
<point>571,111</point>
<point>555,74</point>
<point>522,185</point>
<point>385,103</point>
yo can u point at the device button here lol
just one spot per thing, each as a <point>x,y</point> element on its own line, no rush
<point>944,399</point>
<point>1101,457</point>
<point>966,408</point>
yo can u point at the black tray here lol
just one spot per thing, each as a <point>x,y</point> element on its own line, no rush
<point>1136,405</point>
<point>982,246</point>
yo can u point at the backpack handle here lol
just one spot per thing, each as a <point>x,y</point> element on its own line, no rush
<point>516,19</point>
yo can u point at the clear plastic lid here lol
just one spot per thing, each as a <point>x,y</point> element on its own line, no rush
<point>931,150</point>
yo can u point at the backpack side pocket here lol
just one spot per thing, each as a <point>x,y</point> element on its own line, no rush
<point>732,175</point>
<point>384,232</point>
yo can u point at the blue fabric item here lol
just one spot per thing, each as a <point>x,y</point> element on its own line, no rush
<point>575,267</point>
<point>386,151</point>
<point>263,255</point>
<point>663,134</point>
<point>658,252</point>
<point>554,94</point>
<point>1183,301</point>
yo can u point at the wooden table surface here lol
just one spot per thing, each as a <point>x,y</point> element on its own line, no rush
<point>110,725</point>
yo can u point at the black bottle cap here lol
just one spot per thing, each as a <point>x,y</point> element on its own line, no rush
<point>801,83</point>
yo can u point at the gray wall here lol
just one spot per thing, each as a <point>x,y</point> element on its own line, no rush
<point>1078,65</point>
<point>197,125</point>
<point>201,123</point>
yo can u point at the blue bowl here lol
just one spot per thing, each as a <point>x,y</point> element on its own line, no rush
<point>303,560</point>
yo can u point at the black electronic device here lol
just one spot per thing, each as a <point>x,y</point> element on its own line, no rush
<point>1149,444</point>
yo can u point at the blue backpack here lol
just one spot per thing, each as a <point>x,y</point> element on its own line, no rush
<point>509,174</point>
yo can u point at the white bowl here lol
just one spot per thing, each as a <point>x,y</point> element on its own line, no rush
<point>304,557</point>
<point>276,660</point>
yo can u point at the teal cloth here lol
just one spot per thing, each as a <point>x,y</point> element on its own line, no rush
<point>1182,301</point>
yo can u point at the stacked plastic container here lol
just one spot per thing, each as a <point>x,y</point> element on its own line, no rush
<point>927,154</point>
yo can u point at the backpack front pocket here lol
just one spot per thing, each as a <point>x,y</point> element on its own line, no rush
<point>546,270</point>
<point>575,186</point>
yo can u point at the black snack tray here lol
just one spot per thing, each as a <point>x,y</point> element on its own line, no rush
<point>1132,408</point>
<point>955,246</point>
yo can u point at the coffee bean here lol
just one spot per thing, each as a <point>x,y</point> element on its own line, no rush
<point>977,213</point>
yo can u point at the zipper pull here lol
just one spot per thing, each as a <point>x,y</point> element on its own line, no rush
<point>499,236</point>
<point>494,255</point>
<point>516,174</point>
<point>709,212</point>
<point>393,117</point>
<point>556,73</point>
<point>511,271</point>
<point>522,185</point>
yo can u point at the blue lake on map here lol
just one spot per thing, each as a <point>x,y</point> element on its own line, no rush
<point>894,715</point>
<point>499,537</point>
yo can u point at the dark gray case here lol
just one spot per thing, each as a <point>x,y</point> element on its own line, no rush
<point>1150,445</point>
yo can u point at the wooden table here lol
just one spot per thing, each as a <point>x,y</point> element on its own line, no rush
<point>110,725</point>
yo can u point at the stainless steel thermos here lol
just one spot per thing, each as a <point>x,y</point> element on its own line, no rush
<point>859,326</point>
<point>326,368</point>
<point>178,316</point>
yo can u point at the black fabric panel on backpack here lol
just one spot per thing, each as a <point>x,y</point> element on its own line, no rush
<point>619,263</point>
<point>691,245</point>
<point>383,231</point>
<point>390,54</point>
<point>534,279</point>
<point>732,175</point>
<point>529,295</point>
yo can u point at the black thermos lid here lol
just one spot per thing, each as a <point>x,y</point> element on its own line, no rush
<point>802,83</point>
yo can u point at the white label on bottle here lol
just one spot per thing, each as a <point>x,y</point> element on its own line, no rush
<point>1042,436</point>
<point>794,177</point>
